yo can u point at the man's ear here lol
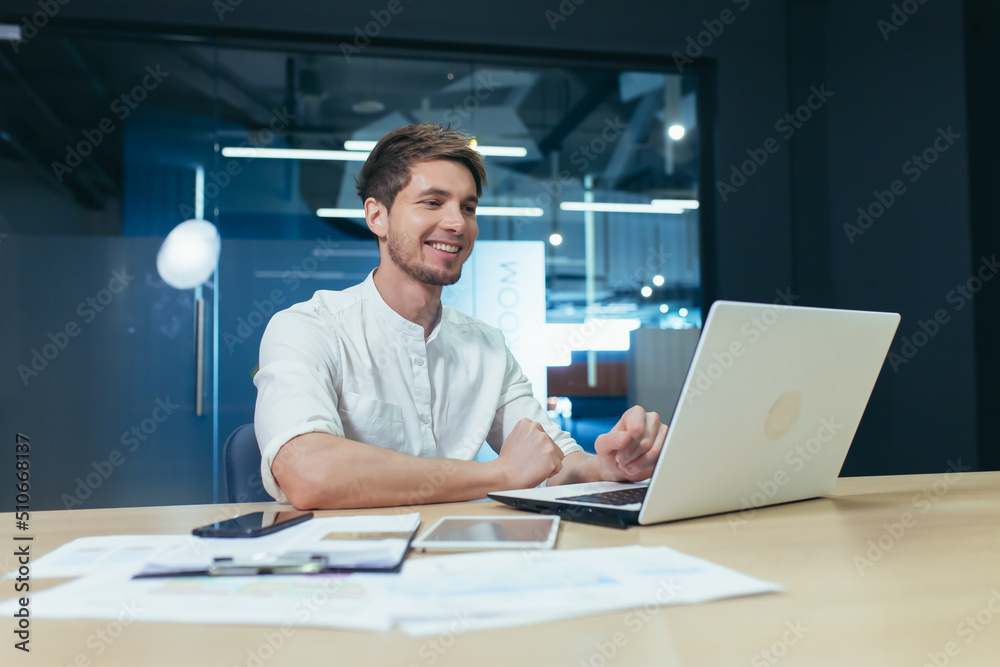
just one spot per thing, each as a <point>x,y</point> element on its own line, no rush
<point>377,217</point>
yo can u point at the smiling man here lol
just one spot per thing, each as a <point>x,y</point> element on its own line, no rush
<point>378,395</point>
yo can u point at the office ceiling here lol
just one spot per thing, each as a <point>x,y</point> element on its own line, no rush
<point>58,87</point>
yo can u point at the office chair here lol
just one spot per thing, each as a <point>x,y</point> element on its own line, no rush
<point>241,467</point>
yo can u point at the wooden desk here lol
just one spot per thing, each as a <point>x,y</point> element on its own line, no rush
<point>929,583</point>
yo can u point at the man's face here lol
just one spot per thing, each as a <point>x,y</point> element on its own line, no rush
<point>432,225</point>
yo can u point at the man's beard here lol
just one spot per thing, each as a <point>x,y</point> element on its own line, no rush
<point>416,270</point>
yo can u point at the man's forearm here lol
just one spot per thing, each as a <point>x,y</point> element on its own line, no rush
<point>322,471</point>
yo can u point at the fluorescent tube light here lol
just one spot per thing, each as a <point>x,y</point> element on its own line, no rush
<point>513,211</point>
<point>675,203</point>
<point>10,32</point>
<point>341,213</point>
<point>292,154</point>
<point>490,151</point>
<point>609,207</point>
<point>502,151</point>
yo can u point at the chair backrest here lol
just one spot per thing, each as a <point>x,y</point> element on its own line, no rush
<point>241,469</point>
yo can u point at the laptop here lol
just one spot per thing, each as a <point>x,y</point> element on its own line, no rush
<point>767,412</point>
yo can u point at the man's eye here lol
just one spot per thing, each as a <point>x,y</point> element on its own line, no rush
<point>470,209</point>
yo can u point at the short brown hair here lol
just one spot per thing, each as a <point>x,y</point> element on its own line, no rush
<point>387,169</point>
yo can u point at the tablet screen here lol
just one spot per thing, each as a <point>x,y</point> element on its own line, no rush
<point>491,533</point>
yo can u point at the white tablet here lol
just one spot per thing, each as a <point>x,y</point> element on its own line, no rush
<point>454,533</point>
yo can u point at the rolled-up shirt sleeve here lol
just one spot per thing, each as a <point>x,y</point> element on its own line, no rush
<point>517,402</point>
<point>299,369</point>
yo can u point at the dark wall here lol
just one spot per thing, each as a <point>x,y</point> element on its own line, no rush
<point>982,30</point>
<point>897,92</point>
<point>781,229</point>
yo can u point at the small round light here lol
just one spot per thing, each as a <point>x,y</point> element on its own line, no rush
<point>664,308</point>
<point>683,312</point>
<point>676,132</point>
<point>658,280</point>
<point>646,291</point>
<point>555,238</point>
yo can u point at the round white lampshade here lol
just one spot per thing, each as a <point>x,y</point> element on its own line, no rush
<point>189,254</point>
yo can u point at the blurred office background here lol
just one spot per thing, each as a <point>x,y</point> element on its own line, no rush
<point>664,155</point>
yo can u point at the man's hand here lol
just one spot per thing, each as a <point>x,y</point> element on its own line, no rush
<point>630,450</point>
<point>528,455</point>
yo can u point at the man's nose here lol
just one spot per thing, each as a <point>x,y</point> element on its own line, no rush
<point>454,219</point>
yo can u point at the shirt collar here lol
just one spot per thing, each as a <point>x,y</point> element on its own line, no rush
<point>390,317</point>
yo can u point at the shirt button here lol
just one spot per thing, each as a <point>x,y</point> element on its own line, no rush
<point>425,419</point>
<point>420,361</point>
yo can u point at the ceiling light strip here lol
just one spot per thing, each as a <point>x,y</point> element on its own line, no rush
<point>611,207</point>
<point>511,211</point>
<point>489,151</point>
<point>292,154</point>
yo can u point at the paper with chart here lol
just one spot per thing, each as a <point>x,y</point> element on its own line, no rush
<point>485,590</point>
<point>93,555</point>
<point>496,589</point>
<point>322,600</point>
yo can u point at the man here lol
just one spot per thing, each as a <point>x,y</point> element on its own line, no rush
<point>378,395</point>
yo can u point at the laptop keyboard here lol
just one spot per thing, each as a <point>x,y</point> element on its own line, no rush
<point>622,497</point>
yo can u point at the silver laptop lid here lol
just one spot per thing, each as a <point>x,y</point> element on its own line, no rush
<point>769,408</point>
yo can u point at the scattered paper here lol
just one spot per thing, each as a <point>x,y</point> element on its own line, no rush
<point>430,595</point>
<point>490,590</point>
<point>321,600</point>
<point>93,555</point>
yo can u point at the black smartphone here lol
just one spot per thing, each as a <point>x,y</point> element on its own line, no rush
<point>254,524</point>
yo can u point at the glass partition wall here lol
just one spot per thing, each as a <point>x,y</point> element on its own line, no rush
<point>108,142</point>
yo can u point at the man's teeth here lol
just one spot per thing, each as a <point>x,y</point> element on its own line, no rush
<point>445,247</point>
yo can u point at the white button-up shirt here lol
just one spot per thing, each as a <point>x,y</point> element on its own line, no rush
<point>347,364</point>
